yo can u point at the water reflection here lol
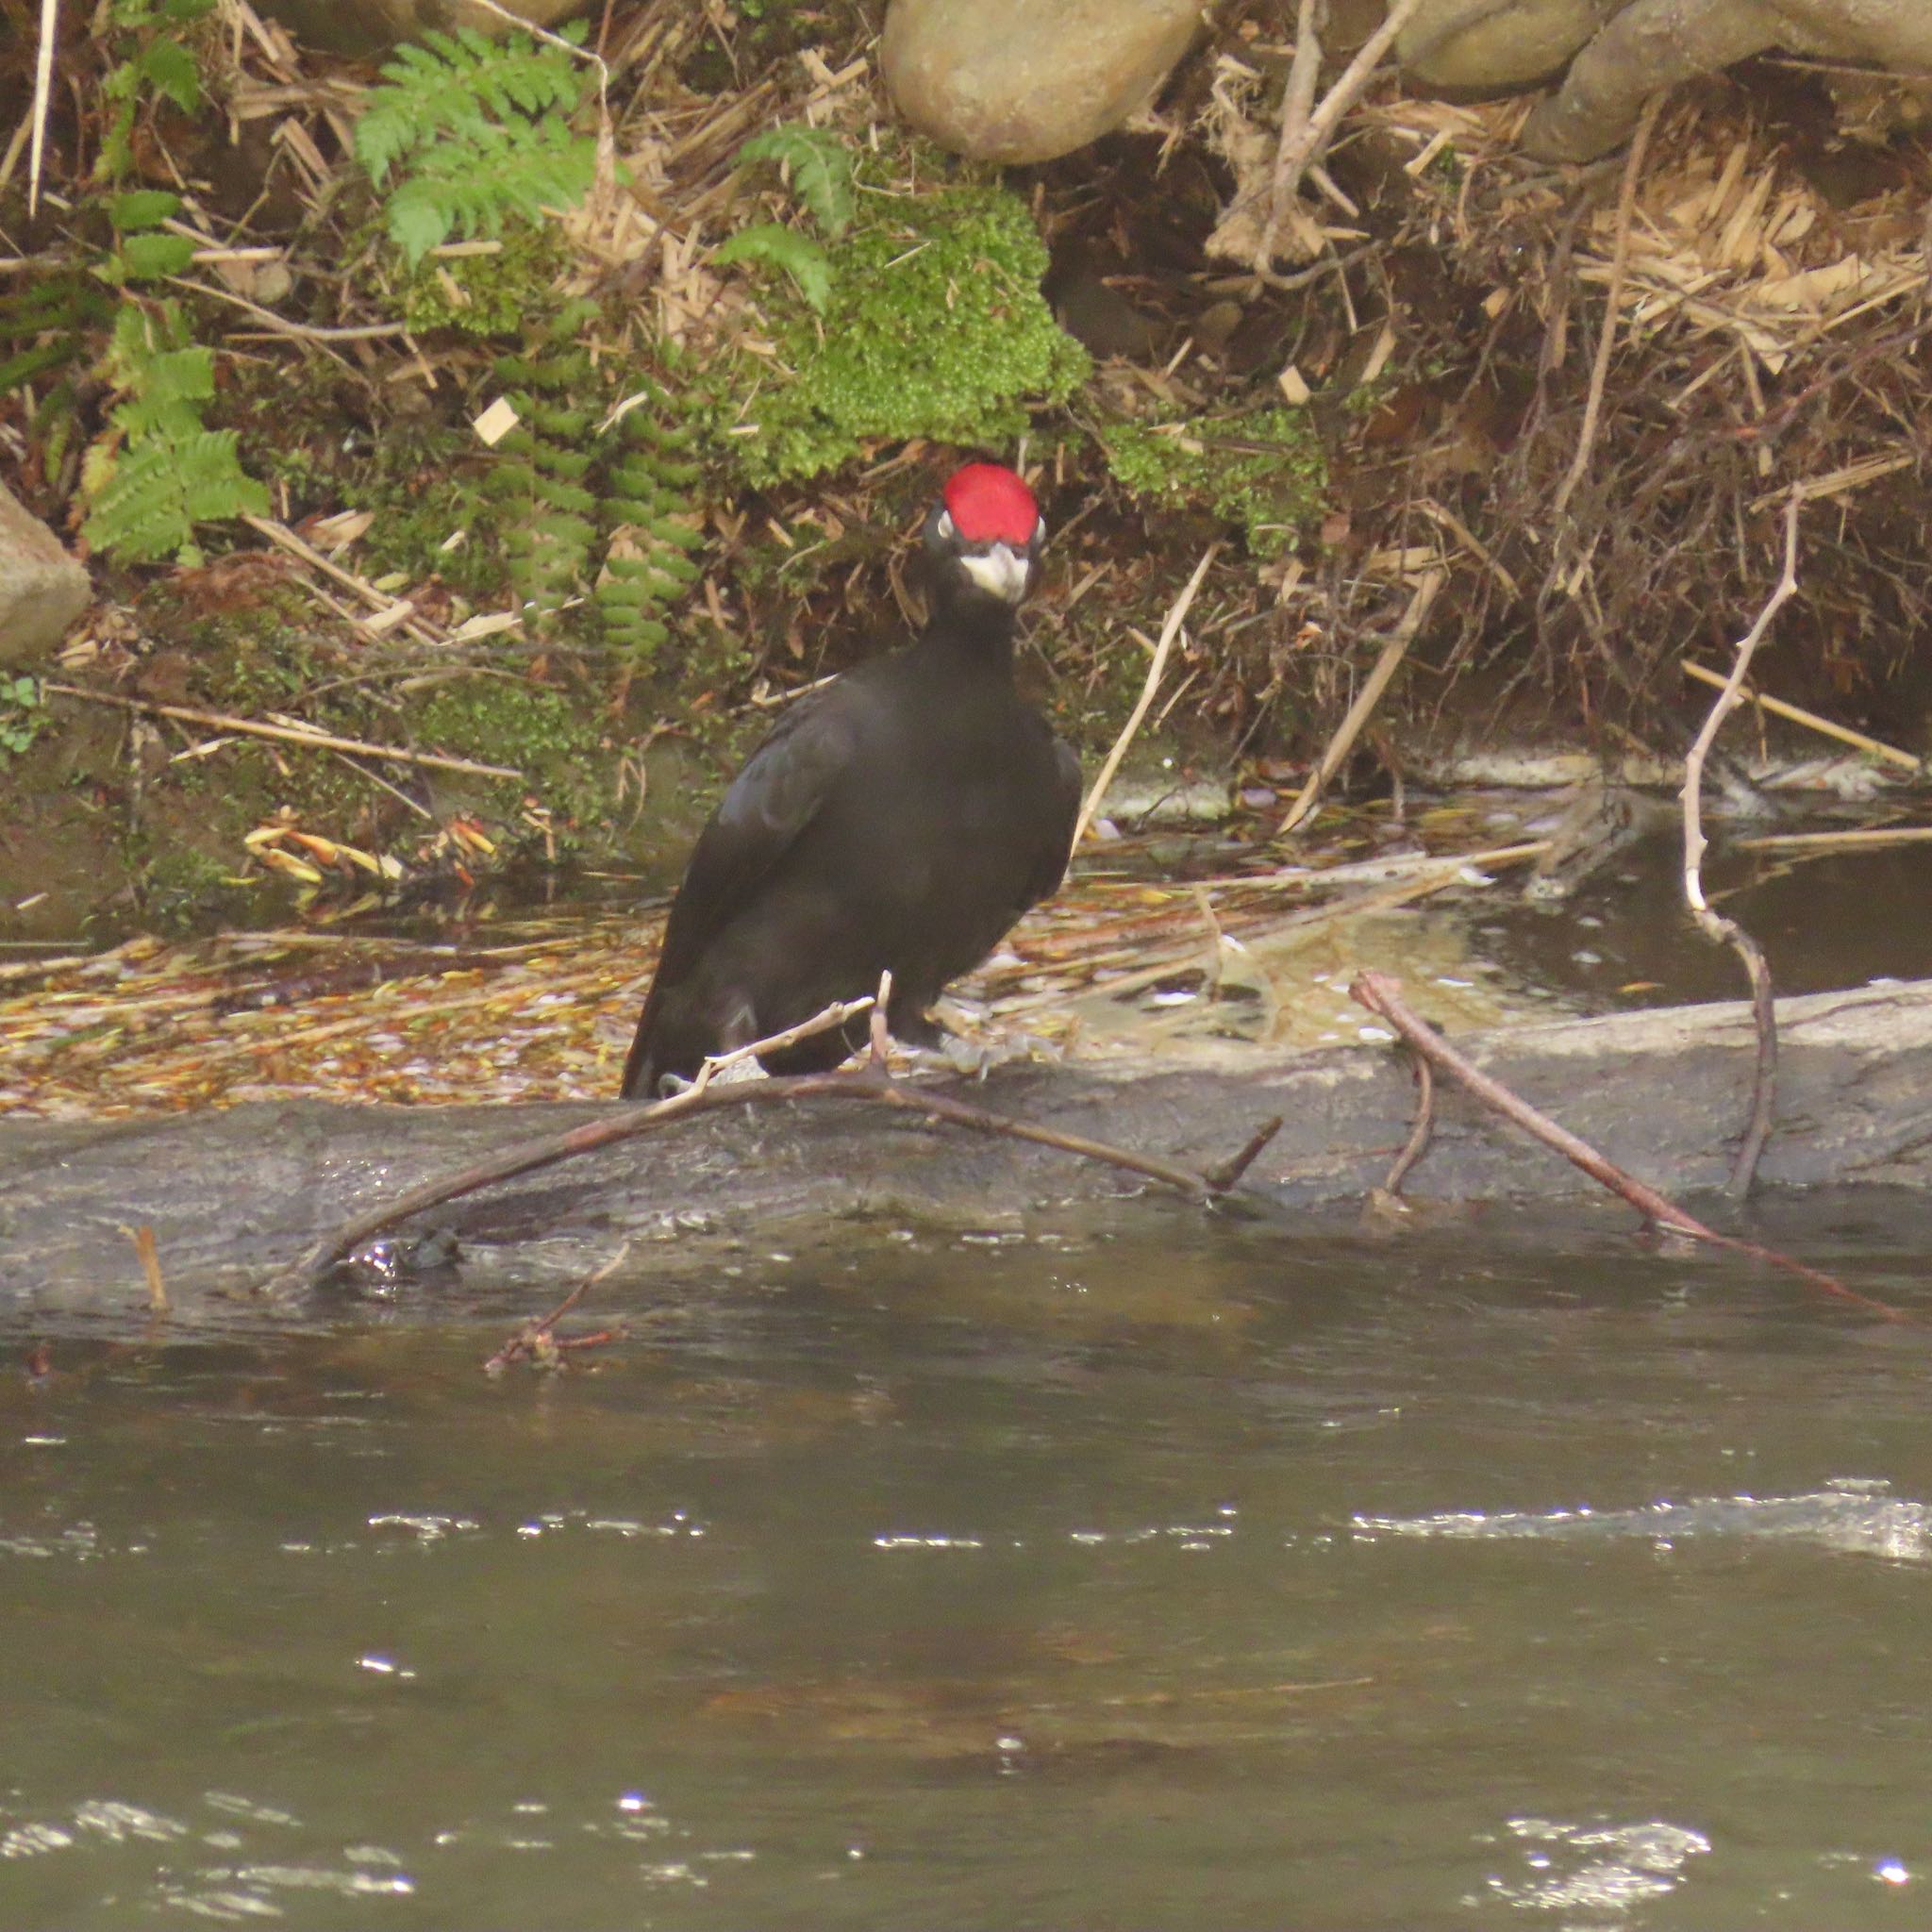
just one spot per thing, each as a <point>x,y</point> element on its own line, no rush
<point>1164,1574</point>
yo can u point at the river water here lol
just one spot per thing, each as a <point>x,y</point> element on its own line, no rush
<point>1170,1572</point>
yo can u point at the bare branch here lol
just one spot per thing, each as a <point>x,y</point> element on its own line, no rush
<point>1307,131</point>
<point>1176,612</point>
<point>1714,926</point>
<point>1382,996</point>
<point>871,1084</point>
<point>535,1340</point>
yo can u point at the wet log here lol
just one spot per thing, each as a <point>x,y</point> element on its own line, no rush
<point>233,1196</point>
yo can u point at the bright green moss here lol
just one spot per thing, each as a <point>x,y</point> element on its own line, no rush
<point>490,295</point>
<point>505,721</point>
<point>1264,471</point>
<point>935,327</point>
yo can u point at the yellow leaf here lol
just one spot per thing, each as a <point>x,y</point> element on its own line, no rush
<point>278,860</point>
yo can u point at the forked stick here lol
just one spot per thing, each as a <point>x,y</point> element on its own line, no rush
<point>1714,926</point>
<point>1382,995</point>
<point>870,1083</point>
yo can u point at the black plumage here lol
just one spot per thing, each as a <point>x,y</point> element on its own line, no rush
<point>903,817</point>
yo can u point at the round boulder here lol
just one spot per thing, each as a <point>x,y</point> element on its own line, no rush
<point>1027,80</point>
<point>1479,45</point>
<point>42,590</point>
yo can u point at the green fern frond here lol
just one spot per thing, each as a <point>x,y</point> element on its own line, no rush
<point>819,165</point>
<point>799,255</point>
<point>160,471</point>
<point>159,490</point>
<point>469,186</point>
<point>455,85</point>
<point>594,515</point>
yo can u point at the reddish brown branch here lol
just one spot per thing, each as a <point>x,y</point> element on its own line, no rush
<point>1220,1178</point>
<point>534,1342</point>
<point>1424,1126</point>
<point>869,1084</point>
<point>1382,995</point>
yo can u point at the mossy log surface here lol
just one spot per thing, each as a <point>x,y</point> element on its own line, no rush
<point>231,1196</point>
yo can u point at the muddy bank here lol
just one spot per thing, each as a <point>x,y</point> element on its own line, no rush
<point>232,1196</point>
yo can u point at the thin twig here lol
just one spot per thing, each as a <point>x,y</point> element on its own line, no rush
<point>1821,844</point>
<point>1366,700</point>
<point>1796,714</point>
<point>1713,926</point>
<point>302,331</point>
<point>535,1339</point>
<point>871,1084</point>
<point>1305,135</point>
<point>1417,1143</point>
<point>284,734</point>
<point>146,1252</point>
<point>1169,629</point>
<point>1382,995</point>
<point>1607,338</point>
<point>43,96</point>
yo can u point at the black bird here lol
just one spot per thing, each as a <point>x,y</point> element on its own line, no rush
<point>904,817</point>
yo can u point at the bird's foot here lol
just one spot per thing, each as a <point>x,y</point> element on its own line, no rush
<point>974,1058</point>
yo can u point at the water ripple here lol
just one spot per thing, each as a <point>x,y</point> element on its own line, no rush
<point>1856,1518</point>
<point>1593,1875</point>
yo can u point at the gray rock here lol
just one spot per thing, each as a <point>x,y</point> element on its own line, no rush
<point>372,26</point>
<point>1026,80</point>
<point>42,590</point>
<point>1626,50</point>
<point>1481,45</point>
<point>234,1198</point>
<point>1652,44</point>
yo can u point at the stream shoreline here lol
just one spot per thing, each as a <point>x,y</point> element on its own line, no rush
<point>234,1194</point>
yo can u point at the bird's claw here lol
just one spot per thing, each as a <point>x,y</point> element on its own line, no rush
<point>973,1059</point>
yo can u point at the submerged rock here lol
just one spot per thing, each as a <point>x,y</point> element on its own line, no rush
<point>1027,80</point>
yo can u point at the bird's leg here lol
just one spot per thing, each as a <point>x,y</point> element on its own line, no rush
<point>912,1026</point>
<point>937,1049</point>
<point>929,1044</point>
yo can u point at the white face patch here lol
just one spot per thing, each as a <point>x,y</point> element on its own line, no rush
<point>1000,572</point>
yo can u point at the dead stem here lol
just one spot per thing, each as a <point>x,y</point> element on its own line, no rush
<point>871,1084</point>
<point>1606,338</point>
<point>283,734</point>
<point>1177,612</point>
<point>535,1341</point>
<point>1796,714</point>
<point>1366,700</point>
<point>1713,926</point>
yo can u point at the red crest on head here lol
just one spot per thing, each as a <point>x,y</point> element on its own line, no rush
<point>988,504</point>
